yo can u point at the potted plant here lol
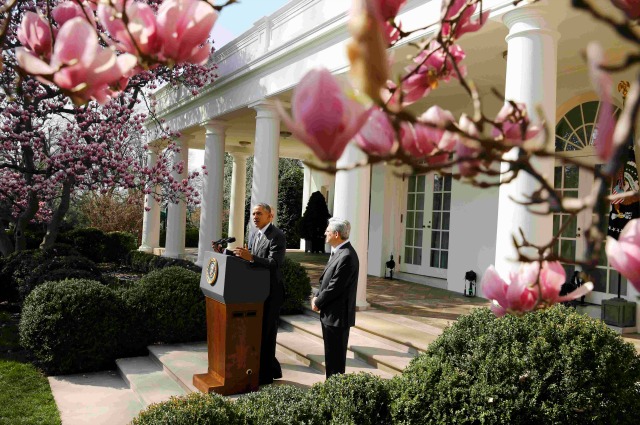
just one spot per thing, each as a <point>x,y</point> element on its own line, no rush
<point>314,222</point>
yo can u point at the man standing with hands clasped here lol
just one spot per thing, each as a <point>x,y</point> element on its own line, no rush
<point>266,248</point>
<point>335,300</point>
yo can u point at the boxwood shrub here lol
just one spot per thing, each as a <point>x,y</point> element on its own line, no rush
<point>278,405</point>
<point>117,245</point>
<point>194,409</point>
<point>89,241</point>
<point>170,305</point>
<point>297,287</point>
<point>549,367</point>
<point>59,268</point>
<point>72,326</point>
<point>351,399</point>
<point>144,262</point>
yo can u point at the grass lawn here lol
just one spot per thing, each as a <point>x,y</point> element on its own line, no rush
<point>25,395</point>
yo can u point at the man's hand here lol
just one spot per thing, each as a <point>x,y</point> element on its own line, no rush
<point>314,307</point>
<point>243,253</point>
<point>216,247</point>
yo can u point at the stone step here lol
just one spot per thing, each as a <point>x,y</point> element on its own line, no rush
<point>148,380</point>
<point>390,358</point>
<point>310,351</point>
<point>181,361</point>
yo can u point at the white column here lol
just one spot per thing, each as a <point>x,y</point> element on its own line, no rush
<point>351,202</point>
<point>380,220</point>
<point>213,188</point>
<point>177,214</point>
<point>264,187</point>
<point>531,79</point>
<point>151,217</point>
<point>238,196</point>
<point>306,193</point>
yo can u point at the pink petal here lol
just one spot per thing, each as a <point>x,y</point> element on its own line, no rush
<point>32,64</point>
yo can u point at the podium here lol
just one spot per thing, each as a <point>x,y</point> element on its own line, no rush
<point>234,293</point>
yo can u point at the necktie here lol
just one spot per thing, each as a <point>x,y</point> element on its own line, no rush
<point>258,238</point>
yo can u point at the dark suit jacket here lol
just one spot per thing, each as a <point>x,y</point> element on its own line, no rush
<point>336,297</point>
<point>269,253</point>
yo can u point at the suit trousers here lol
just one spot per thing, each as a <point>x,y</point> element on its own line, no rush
<point>335,340</point>
<point>270,368</point>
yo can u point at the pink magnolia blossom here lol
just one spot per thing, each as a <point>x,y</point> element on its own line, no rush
<point>34,33</point>
<point>465,24</point>
<point>377,135</point>
<point>433,66</point>
<point>631,8</point>
<point>324,118</point>
<point>624,253</point>
<point>68,10</point>
<point>515,125</point>
<point>552,277</point>
<point>516,297</point>
<point>183,25</point>
<point>84,70</point>
<point>601,81</point>
<point>140,35</point>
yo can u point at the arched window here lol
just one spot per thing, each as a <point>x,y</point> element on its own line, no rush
<point>577,130</point>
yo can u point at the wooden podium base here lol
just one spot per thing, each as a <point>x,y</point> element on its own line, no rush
<point>234,333</point>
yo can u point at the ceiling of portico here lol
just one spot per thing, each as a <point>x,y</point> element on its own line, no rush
<point>486,64</point>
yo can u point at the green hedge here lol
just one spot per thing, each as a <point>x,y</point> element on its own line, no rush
<point>117,246</point>
<point>90,242</point>
<point>59,268</point>
<point>297,287</point>
<point>144,262</point>
<point>549,367</point>
<point>73,326</point>
<point>194,409</point>
<point>278,405</point>
<point>170,304</point>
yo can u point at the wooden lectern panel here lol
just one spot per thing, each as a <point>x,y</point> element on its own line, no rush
<point>234,333</point>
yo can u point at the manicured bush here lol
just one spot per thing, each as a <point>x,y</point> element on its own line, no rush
<point>90,242</point>
<point>59,268</point>
<point>194,409</point>
<point>297,287</point>
<point>549,367</point>
<point>278,405</point>
<point>73,326</point>
<point>144,262</point>
<point>139,260</point>
<point>191,237</point>
<point>170,305</point>
<point>351,399</point>
<point>117,245</point>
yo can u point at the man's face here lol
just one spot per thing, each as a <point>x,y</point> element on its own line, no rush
<point>330,236</point>
<point>260,217</point>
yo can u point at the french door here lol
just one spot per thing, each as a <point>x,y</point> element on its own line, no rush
<point>427,223</point>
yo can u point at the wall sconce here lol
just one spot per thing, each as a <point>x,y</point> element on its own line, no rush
<point>285,134</point>
<point>390,265</point>
<point>470,279</point>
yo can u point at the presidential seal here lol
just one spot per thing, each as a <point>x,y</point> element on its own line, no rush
<point>212,271</point>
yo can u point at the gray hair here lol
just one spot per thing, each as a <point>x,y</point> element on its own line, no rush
<point>264,206</point>
<point>340,225</point>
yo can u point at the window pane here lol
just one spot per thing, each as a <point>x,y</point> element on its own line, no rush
<point>408,238</point>
<point>418,238</point>
<point>444,260</point>
<point>408,258</point>
<point>613,283</point>
<point>570,230</point>
<point>589,130</point>
<point>445,221</point>
<point>412,184</point>
<point>444,243</point>
<point>435,239</point>
<point>589,110</point>
<point>411,202</point>
<point>410,220</point>
<point>447,202</point>
<point>447,183</point>
<point>420,202</point>
<point>435,258</point>
<point>571,193</point>
<point>437,201</point>
<point>569,269</point>
<point>419,220</point>
<point>437,183</point>
<point>599,279</point>
<point>421,181</point>
<point>575,117</point>
<point>568,249</point>
<point>436,220</point>
<point>570,177</point>
<point>417,256</point>
<point>563,129</point>
<point>557,177</point>
<point>556,224</point>
<point>560,144</point>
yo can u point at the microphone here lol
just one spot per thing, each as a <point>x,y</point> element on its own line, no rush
<point>224,240</point>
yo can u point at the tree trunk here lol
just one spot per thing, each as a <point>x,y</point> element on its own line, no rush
<point>19,237</point>
<point>6,246</point>
<point>53,228</point>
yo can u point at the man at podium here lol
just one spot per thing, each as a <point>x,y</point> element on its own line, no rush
<point>266,248</point>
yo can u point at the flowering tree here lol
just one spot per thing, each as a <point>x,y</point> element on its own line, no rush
<point>328,116</point>
<point>74,101</point>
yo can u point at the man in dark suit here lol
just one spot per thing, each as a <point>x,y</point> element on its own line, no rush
<point>335,300</point>
<point>266,248</point>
